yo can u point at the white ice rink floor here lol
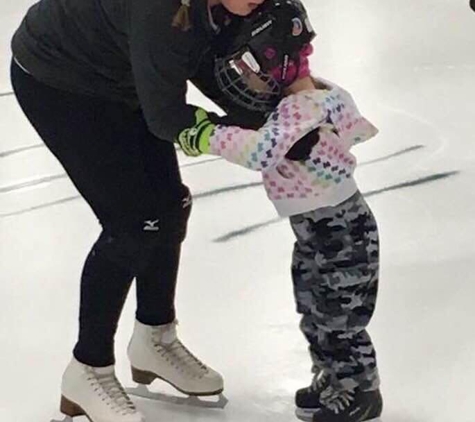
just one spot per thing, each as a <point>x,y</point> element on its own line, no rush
<point>410,64</point>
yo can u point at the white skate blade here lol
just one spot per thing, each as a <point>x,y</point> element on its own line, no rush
<point>216,402</point>
<point>59,417</point>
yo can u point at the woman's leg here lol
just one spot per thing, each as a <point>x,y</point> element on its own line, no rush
<point>335,272</point>
<point>156,287</point>
<point>102,146</point>
<point>156,281</point>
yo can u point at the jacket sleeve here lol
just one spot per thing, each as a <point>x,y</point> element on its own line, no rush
<point>352,128</point>
<point>295,116</point>
<point>160,58</point>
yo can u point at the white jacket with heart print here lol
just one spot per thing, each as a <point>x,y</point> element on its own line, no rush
<point>326,177</point>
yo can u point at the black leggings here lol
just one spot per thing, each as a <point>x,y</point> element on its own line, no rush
<point>132,182</point>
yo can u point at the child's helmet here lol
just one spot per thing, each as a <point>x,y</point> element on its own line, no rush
<point>260,55</point>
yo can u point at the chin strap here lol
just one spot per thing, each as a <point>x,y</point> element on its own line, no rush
<point>293,68</point>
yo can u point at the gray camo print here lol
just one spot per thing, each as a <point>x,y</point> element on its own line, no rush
<point>335,273</point>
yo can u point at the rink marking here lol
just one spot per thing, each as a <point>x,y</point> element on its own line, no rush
<point>30,183</point>
<point>219,191</point>
<point>9,152</point>
<point>6,94</point>
<point>393,155</point>
<point>72,198</point>
<point>39,207</point>
<point>19,150</point>
<point>247,230</point>
<point>254,227</point>
<point>227,189</point>
<point>187,165</point>
<point>52,178</point>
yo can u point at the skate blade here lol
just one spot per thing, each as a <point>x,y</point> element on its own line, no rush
<point>63,418</point>
<point>378,419</point>
<point>305,415</point>
<point>192,401</point>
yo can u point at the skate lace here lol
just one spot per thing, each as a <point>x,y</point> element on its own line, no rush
<point>111,391</point>
<point>181,358</point>
<point>336,400</point>
<point>319,381</point>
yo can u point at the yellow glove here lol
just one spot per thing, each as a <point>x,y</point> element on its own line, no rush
<point>194,141</point>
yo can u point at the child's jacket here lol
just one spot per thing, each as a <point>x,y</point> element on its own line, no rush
<point>326,177</point>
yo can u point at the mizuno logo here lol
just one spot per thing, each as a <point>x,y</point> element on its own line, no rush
<point>151,226</point>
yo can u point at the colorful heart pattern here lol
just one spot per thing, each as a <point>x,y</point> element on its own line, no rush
<point>330,163</point>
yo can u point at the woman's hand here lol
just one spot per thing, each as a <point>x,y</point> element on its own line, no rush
<point>194,141</point>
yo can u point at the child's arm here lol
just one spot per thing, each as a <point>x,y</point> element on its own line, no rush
<point>295,116</point>
<point>345,118</point>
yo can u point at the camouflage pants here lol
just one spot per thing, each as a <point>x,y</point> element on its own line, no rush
<point>335,274</point>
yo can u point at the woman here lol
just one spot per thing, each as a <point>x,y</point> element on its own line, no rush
<point>103,82</point>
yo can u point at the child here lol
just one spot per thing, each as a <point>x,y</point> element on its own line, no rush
<point>303,152</point>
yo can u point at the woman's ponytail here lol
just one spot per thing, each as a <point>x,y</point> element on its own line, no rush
<point>182,18</point>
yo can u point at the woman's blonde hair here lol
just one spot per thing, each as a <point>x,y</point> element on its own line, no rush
<point>182,18</point>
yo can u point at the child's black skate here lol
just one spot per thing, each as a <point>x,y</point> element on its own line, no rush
<point>307,399</point>
<point>349,406</point>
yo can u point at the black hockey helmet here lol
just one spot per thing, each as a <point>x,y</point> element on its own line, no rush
<point>257,52</point>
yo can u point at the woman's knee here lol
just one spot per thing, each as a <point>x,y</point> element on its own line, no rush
<point>131,243</point>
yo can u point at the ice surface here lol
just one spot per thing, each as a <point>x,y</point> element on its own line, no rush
<point>411,67</point>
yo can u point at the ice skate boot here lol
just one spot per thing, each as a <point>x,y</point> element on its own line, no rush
<point>349,406</point>
<point>156,352</point>
<point>97,394</point>
<point>307,400</point>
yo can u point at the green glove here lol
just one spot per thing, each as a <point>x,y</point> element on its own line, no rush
<point>194,141</point>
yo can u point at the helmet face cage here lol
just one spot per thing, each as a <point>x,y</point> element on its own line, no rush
<point>249,88</point>
<point>253,71</point>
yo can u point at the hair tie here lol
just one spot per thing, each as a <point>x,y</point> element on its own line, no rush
<point>182,18</point>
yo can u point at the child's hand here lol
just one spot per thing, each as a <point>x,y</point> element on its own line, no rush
<point>302,149</point>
